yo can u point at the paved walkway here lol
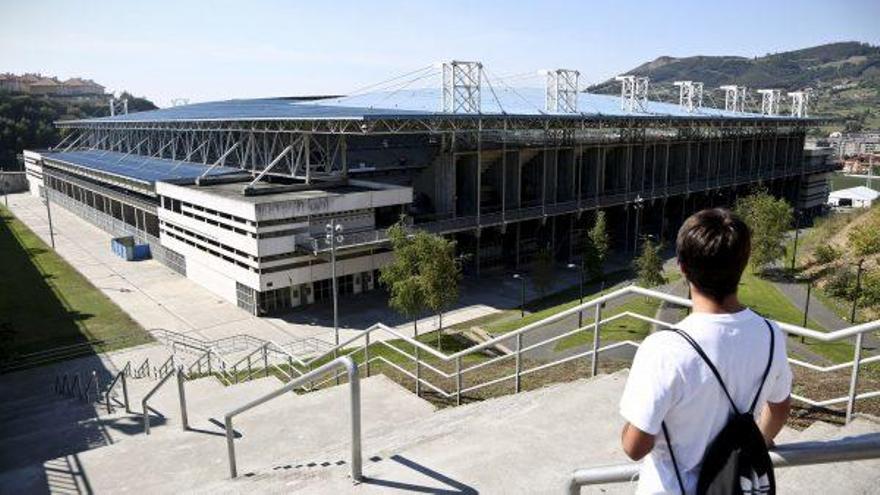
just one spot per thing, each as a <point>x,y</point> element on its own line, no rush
<point>821,314</point>
<point>157,297</point>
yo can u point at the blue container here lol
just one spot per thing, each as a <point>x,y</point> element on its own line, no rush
<point>123,247</point>
<point>141,252</point>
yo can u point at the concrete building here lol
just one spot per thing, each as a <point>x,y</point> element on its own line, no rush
<point>50,86</point>
<point>237,194</point>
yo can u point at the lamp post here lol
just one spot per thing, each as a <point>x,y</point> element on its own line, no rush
<point>638,204</point>
<point>580,290</point>
<point>797,231</point>
<point>807,305</point>
<point>857,292</point>
<point>49,215</point>
<point>334,236</point>
<point>522,294</point>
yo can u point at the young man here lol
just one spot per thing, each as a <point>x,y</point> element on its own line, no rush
<point>670,383</point>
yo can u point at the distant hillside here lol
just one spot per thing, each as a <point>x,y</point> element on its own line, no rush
<point>26,121</point>
<point>845,77</point>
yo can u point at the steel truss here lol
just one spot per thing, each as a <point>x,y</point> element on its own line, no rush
<point>318,147</point>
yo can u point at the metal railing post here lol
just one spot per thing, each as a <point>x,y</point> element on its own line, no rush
<point>146,415</point>
<point>355,407</point>
<point>209,362</point>
<point>181,391</point>
<point>266,360</point>
<point>250,371</point>
<point>107,400</point>
<point>518,379</point>
<point>125,394</point>
<point>418,372</point>
<point>367,353</point>
<point>458,381</point>
<point>97,387</point>
<point>354,386</point>
<point>594,365</point>
<point>290,366</point>
<point>854,379</point>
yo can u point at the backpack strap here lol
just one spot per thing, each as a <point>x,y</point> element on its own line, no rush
<point>767,369</point>
<point>715,372</point>
<point>690,340</point>
<point>672,456</point>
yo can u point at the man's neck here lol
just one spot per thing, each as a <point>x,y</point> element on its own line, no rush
<point>704,304</point>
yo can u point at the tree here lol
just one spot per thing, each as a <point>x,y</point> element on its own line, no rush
<point>402,278</point>
<point>542,270</point>
<point>769,219</point>
<point>591,261</point>
<point>440,274</point>
<point>598,235</point>
<point>424,273</point>
<point>649,265</point>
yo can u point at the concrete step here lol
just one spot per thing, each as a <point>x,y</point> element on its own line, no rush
<point>172,461</point>
<point>861,477</point>
<point>526,443</point>
<point>68,435</point>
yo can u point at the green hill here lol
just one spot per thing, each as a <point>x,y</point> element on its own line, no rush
<point>845,78</point>
<point>26,121</point>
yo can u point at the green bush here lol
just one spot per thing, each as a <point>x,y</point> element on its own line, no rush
<point>841,283</point>
<point>826,254</point>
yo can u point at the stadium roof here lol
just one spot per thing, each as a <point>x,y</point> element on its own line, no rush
<point>135,168</point>
<point>409,103</point>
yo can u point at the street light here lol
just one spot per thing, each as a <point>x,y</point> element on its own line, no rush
<point>580,291</point>
<point>48,214</point>
<point>334,236</point>
<point>522,292</point>
<point>638,204</point>
<point>857,292</point>
<point>809,282</point>
<point>797,231</point>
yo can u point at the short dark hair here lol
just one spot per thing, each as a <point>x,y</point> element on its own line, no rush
<point>713,249</point>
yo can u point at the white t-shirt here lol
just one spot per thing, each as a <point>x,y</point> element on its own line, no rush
<point>669,382</point>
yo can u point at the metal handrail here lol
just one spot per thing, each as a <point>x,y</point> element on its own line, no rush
<point>167,367</point>
<point>143,370</point>
<point>596,328</point>
<point>355,395</point>
<point>783,456</point>
<point>181,397</point>
<point>120,377</point>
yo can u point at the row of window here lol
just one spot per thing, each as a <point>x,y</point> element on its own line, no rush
<point>142,220</point>
<point>207,240</point>
<point>209,250</point>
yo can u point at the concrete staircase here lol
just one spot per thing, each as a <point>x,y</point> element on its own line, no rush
<point>526,443</point>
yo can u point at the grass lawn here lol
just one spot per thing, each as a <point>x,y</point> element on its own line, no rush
<point>627,328</point>
<point>45,303</point>
<point>762,296</point>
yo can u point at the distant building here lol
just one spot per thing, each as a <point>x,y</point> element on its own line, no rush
<point>38,84</point>
<point>854,197</point>
<point>45,86</point>
<point>12,83</point>
<point>81,87</point>
<point>856,143</point>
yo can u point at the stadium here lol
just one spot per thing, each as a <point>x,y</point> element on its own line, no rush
<point>237,195</point>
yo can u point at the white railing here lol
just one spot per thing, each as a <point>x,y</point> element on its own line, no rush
<point>360,345</point>
<point>782,456</point>
<point>355,406</point>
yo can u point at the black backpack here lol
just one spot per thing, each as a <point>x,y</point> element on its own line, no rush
<point>737,460</point>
